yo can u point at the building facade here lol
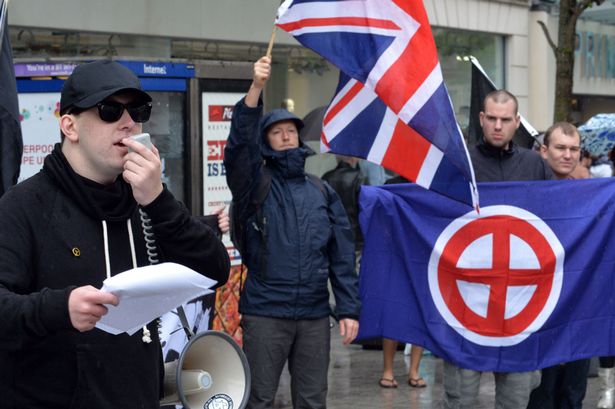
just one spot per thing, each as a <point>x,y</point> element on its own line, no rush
<point>197,52</point>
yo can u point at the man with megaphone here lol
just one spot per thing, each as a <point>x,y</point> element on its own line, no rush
<point>77,222</point>
<point>295,236</point>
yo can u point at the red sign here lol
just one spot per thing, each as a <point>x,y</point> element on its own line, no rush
<point>215,150</point>
<point>220,113</point>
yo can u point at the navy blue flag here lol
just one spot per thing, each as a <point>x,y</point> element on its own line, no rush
<point>527,283</point>
<point>11,144</point>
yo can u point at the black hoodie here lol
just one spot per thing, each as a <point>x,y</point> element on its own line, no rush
<point>492,164</point>
<point>51,241</point>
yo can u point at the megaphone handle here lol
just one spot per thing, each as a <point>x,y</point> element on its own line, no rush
<point>184,321</point>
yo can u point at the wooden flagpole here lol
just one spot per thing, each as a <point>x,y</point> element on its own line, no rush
<point>271,40</point>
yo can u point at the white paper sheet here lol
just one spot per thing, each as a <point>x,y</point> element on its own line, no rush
<point>146,293</point>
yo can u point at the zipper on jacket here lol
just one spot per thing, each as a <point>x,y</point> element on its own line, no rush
<point>289,189</point>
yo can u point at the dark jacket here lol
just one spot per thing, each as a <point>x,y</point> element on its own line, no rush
<point>51,241</point>
<point>346,181</point>
<point>493,164</point>
<point>304,238</point>
<point>396,180</point>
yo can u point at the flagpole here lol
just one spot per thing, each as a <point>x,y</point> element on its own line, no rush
<point>271,40</point>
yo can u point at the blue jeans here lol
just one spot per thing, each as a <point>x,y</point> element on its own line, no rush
<point>562,386</point>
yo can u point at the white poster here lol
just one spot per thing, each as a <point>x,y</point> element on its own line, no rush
<point>217,114</point>
<point>40,128</point>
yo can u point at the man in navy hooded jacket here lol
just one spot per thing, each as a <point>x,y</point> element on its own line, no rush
<point>301,239</point>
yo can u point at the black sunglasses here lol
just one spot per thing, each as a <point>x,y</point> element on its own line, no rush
<point>112,111</point>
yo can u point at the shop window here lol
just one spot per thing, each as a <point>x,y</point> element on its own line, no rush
<point>166,126</point>
<point>454,50</point>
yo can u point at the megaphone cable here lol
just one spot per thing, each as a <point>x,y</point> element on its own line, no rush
<point>152,257</point>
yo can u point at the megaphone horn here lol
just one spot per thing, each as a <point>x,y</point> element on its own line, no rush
<point>212,372</point>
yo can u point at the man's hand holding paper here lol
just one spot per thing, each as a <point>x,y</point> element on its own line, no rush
<point>146,293</point>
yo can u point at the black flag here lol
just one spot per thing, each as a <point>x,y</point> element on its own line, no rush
<point>481,86</point>
<point>11,144</point>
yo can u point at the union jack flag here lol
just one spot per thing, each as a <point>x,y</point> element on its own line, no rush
<point>391,105</point>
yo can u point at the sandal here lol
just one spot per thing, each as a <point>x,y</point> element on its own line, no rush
<point>387,383</point>
<point>417,382</point>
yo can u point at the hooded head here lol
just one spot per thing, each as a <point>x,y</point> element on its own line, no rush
<point>280,130</point>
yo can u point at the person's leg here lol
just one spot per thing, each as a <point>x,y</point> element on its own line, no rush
<point>460,387</point>
<point>513,389</point>
<point>414,377</point>
<point>573,384</point>
<point>266,344</point>
<point>606,373</point>
<point>544,396</point>
<point>387,379</point>
<point>607,361</point>
<point>308,364</point>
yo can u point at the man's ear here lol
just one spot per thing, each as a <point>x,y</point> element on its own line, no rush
<point>543,151</point>
<point>68,126</point>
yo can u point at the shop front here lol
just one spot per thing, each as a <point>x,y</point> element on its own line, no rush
<point>39,86</point>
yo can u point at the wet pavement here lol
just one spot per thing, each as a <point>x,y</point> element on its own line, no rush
<point>354,374</point>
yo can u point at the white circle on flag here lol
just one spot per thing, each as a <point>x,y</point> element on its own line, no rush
<point>496,277</point>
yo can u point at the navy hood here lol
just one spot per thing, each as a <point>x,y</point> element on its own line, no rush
<point>278,115</point>
<point>271,118</point>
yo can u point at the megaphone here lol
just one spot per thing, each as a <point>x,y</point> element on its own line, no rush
<point>212,372</point>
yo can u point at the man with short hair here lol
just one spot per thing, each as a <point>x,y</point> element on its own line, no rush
<point>561,148</point>
<point>68,228</point>
<point>497,158</point>
<point>562,386</point>
<point>296,240</point>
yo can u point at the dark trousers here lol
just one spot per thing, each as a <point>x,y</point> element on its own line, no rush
<point>562,386</point>
<point>269,342</point>
<point>607,361</point>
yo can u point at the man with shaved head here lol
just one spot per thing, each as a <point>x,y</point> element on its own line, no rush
<point>496,158</point>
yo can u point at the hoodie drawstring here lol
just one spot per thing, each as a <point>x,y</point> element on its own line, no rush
<point>106,244</point>
<point>146,333</point>
<point>132,244</point>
